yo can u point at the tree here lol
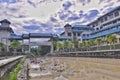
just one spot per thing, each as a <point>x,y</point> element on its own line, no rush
<point>66,43</point>
<point>91,42</point>
<point>98,42</point>
<point>15,45</point>
<point>54,42</point>
<point>75,41</point>
<point>1,46</point>
<point>25,47</point>
<point>88,44</point>
<point>70,45</point>
<point>80,44</point>
<point>111,39</point>
<point>59,45</point>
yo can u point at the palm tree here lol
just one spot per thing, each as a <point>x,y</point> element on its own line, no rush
<point>88,44</point>
<point>59,45</point>
<point>66,43</point>
<point>111,39</point>
<point>1,46</point>
<point>15,45</point>
<point>98,42</point>
<point>75,41</point>
<point>54,42</point>
<point>80,44</point>
<point>70,45</point>
<point>91,42</point>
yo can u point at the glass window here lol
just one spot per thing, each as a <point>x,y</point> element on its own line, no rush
<point>78,34</point>
<point>116,13</point>
<point>69,34</point>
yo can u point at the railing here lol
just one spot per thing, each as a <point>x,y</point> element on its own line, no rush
<point>102,34</point>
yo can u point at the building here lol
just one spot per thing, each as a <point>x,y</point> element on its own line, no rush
<point>75,31</point>
<point>107,24</point>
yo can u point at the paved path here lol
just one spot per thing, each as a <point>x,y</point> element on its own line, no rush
<point>6,61</point>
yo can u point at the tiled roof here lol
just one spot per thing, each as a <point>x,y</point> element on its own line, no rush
<point>43,35</point>
<point>15,37</point>
<point>5,20</point>
<point>6,28</point>
<point>67,25</point>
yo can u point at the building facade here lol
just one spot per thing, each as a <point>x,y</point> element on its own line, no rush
<point>5,32</point>
<point>102,26</point>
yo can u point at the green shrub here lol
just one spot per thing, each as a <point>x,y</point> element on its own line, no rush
<point>13,75</point>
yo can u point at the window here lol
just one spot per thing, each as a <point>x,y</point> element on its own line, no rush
<point>78,34</point>
<point>101,20</point>
<point>69,34</point>
<point>105,18</point>
<point>97,28</point>
<point>83,34</point>
<point>116,14</point>
<point>74,34</point>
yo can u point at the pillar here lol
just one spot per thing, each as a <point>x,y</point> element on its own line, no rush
<point>29,46</point>
<point>22,45</point>
<point>51,51</point>
<point>7,46</point>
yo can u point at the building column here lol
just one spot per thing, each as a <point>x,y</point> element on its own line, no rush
<point>51,51</point>
<point>29,46</point>
<point>7,47</point>
<point>22,45</point>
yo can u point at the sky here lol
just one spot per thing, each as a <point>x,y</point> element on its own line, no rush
<point>50,16</point>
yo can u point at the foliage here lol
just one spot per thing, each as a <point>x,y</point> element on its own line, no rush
<point>54,41</point>
<point>15,44</point>
<point>111,39</point>
<point>98,41</point>
<point>59,45</point>
<point>25,47</point>
<point>66,43</point>
<point>2,45</point>
<point>13,75</point>
<point>75,41</point>
<point>70,45</point>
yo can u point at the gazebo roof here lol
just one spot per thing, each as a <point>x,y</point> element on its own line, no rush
<point>5,21</point>
<point>6,28</point>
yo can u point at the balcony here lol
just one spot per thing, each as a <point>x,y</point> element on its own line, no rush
<point>102,34</point>
<point>108,27</point>
<point>110,20</point>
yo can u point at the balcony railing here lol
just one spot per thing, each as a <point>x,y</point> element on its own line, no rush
<point>102,34</point>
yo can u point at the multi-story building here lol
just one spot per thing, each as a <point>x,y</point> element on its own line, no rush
<point>109,23</point>
<point>75,31</point>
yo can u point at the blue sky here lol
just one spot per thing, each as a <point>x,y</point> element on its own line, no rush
<point>51,15</point>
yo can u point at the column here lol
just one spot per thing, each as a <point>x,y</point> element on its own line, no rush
<point>29,46</point>
<point>22,45</point>
<point>51,51</point>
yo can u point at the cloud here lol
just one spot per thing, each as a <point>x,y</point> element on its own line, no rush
<point>51,15</point>
<point>73,17</point>
<point>31,27</point>
<point>67,5</point>
<point>9,1</point>
<point>92,14</point>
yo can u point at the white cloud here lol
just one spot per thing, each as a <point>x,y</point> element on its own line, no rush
<point>22,13</point>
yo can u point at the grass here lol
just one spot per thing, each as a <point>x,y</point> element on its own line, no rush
<point>13,75</point>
